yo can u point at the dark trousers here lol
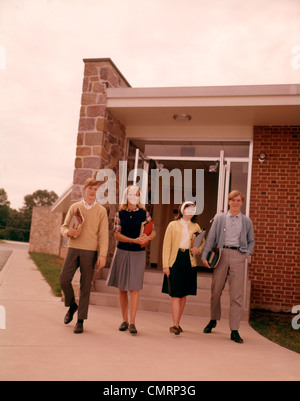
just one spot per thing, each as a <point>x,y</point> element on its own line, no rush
<point>86,261</point>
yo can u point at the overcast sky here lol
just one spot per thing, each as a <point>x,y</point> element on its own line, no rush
<point>152,42</point>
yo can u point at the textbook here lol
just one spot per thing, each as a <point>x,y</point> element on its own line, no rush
<point>214,257</point>
<point>77,220</point>
<point>146,228</point>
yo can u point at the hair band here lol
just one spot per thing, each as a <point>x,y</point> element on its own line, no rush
<point>184,205</point>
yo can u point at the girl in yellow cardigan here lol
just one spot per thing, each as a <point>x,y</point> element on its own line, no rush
<point>179,261</point>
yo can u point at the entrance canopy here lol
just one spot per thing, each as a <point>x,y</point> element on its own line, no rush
<point>206,106</point>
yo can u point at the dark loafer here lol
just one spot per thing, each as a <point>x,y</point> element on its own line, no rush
<point>211,325</point>
<point>132,329</point>
<point>69,315</point>
<point>175,330</point>
<point>236,337</point>
<point>78,328</point>
<point>124,326</point>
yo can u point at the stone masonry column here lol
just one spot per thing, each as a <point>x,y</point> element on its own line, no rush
<point>101,136</point>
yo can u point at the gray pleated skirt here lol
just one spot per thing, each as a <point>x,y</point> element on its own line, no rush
<point>127,270</point>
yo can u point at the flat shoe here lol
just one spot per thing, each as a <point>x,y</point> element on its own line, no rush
<point>124,326</point>
<point>70,314</point>
<point>175,330</point>
<point>78,328</point>
<point>211,325</point>
<point>236,337</point>
<point>132,329</point>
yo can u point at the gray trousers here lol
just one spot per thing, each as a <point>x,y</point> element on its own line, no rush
<point>86,260</point>
<point>231,266</point>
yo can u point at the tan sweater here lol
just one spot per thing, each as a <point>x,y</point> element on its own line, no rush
<point>172,241</point>
<point>94,231</point>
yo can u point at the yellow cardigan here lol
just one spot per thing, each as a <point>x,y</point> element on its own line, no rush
<point>172,240</point>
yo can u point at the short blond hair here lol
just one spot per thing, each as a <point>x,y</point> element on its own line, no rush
<point>235,193</point>
<point>90,182</point>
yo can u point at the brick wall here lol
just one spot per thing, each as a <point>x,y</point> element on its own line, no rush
<point>275,212</point>
<point>101,137</point>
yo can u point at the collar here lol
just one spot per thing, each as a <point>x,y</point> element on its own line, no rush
<point>133,210</point>
<point>231,215</point>
<point>87,206</point>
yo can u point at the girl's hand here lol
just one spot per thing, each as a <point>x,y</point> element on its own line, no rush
<point>195,251</point>
<point>144,238</point>
<point>140,240</point>
<point>166,271</point>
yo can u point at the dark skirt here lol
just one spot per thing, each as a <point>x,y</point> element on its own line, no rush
<point>183,277</point>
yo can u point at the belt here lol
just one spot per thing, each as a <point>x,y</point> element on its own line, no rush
<point>235,248</point>
<point>183,250</point>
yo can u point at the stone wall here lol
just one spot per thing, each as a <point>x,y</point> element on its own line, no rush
<point>45,230</point>
<point>101,136</point>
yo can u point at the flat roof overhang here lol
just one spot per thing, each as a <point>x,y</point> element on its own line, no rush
<point>219,105</point>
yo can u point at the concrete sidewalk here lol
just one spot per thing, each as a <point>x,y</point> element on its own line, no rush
<point>36,345</point>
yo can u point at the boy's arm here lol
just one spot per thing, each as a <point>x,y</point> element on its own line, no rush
<point>250,237</point>
<point>103,234</point>
<point>210,241</point>
<point>64,229</point>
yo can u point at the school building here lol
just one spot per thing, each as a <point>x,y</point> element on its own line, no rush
<point>241,137</point>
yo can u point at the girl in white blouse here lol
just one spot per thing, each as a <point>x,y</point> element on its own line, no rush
<point>179,261</point>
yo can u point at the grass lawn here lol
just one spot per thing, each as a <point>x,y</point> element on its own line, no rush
<point>277,327</point>
<point>50,267</point>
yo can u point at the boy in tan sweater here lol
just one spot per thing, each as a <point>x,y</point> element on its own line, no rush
<point>88,247</point>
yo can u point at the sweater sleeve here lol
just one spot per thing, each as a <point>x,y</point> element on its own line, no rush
<point>103,233</point>
<point>167,246</point>
<point>250,238</point>
<point>201,247</point>
<point>210,240</point>
<point>65,227</point>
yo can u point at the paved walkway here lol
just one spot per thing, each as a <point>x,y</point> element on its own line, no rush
<point>36,345</point>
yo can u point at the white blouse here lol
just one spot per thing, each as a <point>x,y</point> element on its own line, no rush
<point>185,236</point>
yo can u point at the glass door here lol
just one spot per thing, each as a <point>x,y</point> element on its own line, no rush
<point>233,175</point>
<point>141,175</point>
<point>226,166</point>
